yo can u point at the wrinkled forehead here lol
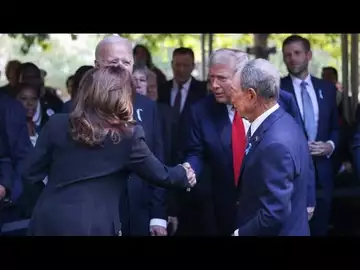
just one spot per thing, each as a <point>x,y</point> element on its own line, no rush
<point>112,51</point>
<point>221,70</point>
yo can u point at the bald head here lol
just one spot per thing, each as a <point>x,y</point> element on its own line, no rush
<point>114,50</point>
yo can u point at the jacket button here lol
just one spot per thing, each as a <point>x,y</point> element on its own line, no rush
<point>237,203</point>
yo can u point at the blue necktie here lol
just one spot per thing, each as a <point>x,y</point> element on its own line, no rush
<point>248,144</point>
<point>308,113</point>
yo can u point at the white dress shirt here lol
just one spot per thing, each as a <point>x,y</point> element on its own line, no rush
<point>184,93</point>
<point>254,126</point>
<point>311,91</point>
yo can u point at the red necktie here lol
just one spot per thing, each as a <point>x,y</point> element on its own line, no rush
<point>238,145</point>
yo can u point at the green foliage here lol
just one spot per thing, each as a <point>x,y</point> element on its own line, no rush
<point>156,42</point>
<point>327,42</point>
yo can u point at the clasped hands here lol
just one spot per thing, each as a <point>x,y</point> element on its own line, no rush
<point>189,173</point>
<point>320,148</point>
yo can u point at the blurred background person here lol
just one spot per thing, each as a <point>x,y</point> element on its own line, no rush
<point>69,84</point>
<point>75,83</point>
<point>142,55</point>
<point>12,76</point>
<point>31,74</point>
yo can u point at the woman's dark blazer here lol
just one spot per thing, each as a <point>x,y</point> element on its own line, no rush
<point>86,183</point>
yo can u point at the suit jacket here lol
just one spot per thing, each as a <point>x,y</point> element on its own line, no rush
<point>328,128</point>
<point>209,142</point>
<point>146,201</point>
<point>66,108</point>
<point>273,181</point>
<point>14,143</point>
<point>85,199</point>
<point>166,118</point>
<point>8,89</point>
<point>356,151</point>
<point>197,91</point>
<point>288,103</point>
<point>51,100</point>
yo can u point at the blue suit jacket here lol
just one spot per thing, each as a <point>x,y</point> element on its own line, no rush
<point>66,107</point>
<point>328,128</point>
<point>356,151</point>
<point>145,200</point>
<point>288,103</point>
<point>14,144</point>
<point>273,181</point>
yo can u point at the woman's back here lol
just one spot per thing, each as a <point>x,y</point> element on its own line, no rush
<point>88,155</point>
<point>85,183</point>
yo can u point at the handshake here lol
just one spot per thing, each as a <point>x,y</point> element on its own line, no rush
<point>190,174</point>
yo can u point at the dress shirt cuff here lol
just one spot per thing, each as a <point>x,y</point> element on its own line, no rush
<point>310,209</point>
<point>236,233</point>
<point>333,148</point>
<point>158,222</point>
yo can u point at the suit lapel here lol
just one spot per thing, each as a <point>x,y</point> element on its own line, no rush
<point>258,136</point>
<point>320,99</point>
<point>289,87</point>
<point>222,122</point>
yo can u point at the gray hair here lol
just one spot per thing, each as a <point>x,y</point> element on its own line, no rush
<point>141,67</point>
<point>112,40</point>
<point>234,58</point>
<point>262,76</point>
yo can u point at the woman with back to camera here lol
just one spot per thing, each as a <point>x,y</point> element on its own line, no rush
<point>88,156</point>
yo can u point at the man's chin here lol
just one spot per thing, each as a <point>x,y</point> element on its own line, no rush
<point>221,99</point>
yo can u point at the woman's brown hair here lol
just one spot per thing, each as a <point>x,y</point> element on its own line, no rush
<point>103,106</point>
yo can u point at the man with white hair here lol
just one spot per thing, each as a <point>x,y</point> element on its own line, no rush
<point>271,194</point>
<point>146,203</point>
<point>218,138</point>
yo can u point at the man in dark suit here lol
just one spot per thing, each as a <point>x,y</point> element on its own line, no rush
<point>274,176</point>
<point>356,151</point>
<point>146,208</point>
<point>12,75</point>
<point>213,130</point>
<point>179,94</point>
<point>316,100</point>
<point>14,146</point>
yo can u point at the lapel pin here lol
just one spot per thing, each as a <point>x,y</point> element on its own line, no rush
<point>320,94</point>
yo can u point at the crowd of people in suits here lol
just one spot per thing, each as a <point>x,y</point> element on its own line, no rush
<point>264,151</point>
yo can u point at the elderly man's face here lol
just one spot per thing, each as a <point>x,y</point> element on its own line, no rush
<point>140,81</point>
<point>152,87</point>
<point>242,99</point>
<point>115,54</point>
<point>220,81</point>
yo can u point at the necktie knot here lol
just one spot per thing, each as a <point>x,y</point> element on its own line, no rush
<point>303,85</point>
